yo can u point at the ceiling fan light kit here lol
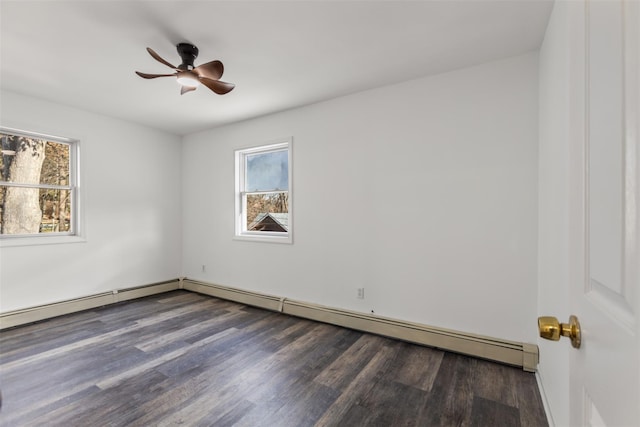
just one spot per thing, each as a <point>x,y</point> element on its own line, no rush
<point>189,76</point>
<point>186,78</point>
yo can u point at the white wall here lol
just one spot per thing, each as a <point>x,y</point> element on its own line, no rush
<point>553,245</point>
<point>131,185</point>
<point>424,193</point>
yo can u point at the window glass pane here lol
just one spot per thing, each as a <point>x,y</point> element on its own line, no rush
<point>21,212</point>
<point>33,210</point>
<point>267,171</point>
<point>55,168</point>
<point>22,159</point>
<point>28,160</point>
<point>268,212</point>
<point>56,210</point>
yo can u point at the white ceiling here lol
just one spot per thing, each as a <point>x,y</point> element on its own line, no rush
<point>280,54</point>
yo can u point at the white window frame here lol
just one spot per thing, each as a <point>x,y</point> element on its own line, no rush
<point>74,234</point>
<point>241,232</point>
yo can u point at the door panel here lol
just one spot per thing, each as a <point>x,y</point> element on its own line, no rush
<point>604,58</point>
<point>605,372</point>
<point>606,151</point>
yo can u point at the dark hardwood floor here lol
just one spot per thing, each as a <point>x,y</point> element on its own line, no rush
<point>186,359</point>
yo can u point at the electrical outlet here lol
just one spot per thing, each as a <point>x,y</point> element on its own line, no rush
<point>204,268</point>
<point>360,293</point>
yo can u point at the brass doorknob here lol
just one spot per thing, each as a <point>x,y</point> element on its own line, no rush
<point>551,329</point>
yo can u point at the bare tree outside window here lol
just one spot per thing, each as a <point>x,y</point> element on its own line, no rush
<point>35,185</point>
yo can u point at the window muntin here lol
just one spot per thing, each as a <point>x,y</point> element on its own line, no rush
<point>38,185</point>
<point>263,197</point>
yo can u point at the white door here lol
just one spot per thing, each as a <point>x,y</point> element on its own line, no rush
<point>605,212</point>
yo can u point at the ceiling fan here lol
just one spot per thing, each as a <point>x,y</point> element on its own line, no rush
<point>189,76</point>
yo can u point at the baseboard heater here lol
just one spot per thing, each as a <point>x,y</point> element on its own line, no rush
<point>508,352</point>
<point>41,312</point>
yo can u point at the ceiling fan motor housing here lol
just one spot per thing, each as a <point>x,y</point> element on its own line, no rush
<point>188,53</point>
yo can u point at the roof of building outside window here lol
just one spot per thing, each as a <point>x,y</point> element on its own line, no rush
<point>280,219</point>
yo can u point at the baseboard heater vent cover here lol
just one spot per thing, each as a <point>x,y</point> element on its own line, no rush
<point>42,312</point>
<point>508,352</point>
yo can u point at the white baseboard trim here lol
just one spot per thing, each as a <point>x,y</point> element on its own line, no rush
<point>33,314</point>
<point>508,352</point>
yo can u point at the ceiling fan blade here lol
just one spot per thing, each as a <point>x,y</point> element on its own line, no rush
<point>217,86</point>
<point>212,70</point>
<point>186,89</point>
<point>153,76</point>
<point>159,59</point>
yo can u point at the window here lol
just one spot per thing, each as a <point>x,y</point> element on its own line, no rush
<point>263,193</point>
<point>38,185</point>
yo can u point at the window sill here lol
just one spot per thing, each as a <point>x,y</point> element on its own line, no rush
<point>264,239</point>
<point>8,242</point>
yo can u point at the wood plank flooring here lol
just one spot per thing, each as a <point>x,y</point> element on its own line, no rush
<point>182,358</point>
